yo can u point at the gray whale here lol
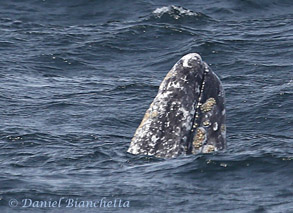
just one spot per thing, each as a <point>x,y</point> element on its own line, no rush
<point>188,114</point>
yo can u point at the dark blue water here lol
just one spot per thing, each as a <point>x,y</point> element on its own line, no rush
<point>77,76</point>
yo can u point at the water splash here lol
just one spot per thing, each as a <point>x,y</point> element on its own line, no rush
<point>175,12</point>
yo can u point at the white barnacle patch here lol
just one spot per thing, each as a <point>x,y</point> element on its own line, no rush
<point>184,79</point>
<point>185,59</point>
<point>162,96</point>
<point>223,130</point>
<point>172,147</point>
<point>173,85</point>
<point>134,149</point>
<point>154,139</point>
<point>206,70</point>
<point>209,149</point>
<point>186,113</point>
<point>197,90</point>
<point>221,93</point>
<point>162,86</point>
<point>187,117</point>
<point>177,131</point>
<point>215,126</point>
<point>206,67</point>
<point>224,112</point>
<point>177,85</point>
<point>167,124</point>
<point>161,101</point>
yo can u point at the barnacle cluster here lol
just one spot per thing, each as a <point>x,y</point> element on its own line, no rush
<point>199,138</point>
<point>208,105</point>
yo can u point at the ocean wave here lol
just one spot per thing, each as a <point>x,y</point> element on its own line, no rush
<point>175,13</point>
<point>134,86</point>
<point>211,162</point>
<point>262,4</point>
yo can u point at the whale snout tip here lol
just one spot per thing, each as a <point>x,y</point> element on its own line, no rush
<point>189,58</point>
<point>193,55</point>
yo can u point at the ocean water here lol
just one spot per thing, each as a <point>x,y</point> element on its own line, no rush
<point>77,76</point>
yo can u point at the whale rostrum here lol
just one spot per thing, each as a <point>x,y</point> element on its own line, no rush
<point>188,114</point>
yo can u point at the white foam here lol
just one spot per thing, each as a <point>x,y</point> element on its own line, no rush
<point>162,10</point>
<point>170,10</point>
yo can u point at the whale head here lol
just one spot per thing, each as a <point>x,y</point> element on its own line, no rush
<point>188,114</point>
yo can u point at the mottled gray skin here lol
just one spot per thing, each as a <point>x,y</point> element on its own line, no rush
<point>187,115</point>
